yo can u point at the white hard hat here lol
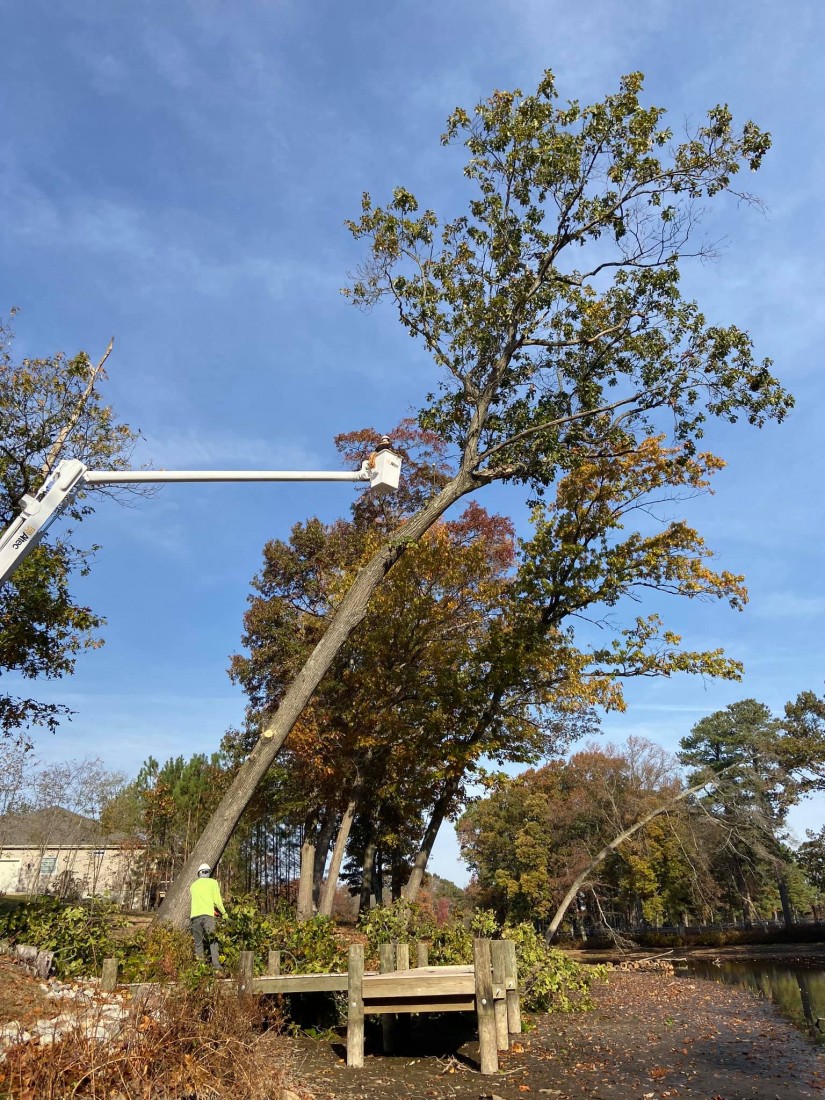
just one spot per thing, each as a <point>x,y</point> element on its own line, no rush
<point>204,869</point>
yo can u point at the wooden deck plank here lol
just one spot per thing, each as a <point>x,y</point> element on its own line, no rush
<point>301,983</point>
<point>383,986</point>
<point>402,1006</point>
<point>432,982</point>
<point>463,968</point>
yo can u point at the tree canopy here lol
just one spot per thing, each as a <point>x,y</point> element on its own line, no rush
<point>50,409</point>
<point>552,308</point>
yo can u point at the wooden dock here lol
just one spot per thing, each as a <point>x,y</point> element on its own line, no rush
<point>488,987</point>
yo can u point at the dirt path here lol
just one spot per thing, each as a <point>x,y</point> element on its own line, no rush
<point>650,1036</point>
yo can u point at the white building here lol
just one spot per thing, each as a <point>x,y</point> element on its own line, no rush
<point>55,851</point>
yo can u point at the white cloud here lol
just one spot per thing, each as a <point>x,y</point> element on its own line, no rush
<point>789,605</point>
<point>207,448</point>
<point>150,254</point>
<point>582,43</point>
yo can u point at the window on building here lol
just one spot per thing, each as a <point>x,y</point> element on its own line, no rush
<point>47,866</point>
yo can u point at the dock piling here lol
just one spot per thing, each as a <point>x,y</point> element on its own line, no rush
<point>487,1038</point>
<point>498,955</point>
<point>355,1006</point>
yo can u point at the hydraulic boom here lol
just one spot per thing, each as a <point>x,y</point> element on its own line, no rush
<point>382,470</point>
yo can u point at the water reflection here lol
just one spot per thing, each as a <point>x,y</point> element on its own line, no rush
<point>797,991</point>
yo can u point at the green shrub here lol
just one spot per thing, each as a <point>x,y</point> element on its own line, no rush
<point>548,978</point>
<point>158,954</point>
<point>451,945</point>
<point>79,936</point>
<point>312,947</point>
<point>306,946</point>
<point>401,922</point>
<point>484,924</point>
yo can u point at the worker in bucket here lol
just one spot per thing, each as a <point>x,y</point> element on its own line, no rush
<point>207,903</point>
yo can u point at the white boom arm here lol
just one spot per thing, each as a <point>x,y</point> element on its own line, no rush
<point>382,470</point>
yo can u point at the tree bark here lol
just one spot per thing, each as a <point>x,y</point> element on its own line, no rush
<point>328,891</point>
<point>377,878</point>
<point>321,853</point>
<point>785,898</point>
<point>212,842</point>
<point>304,905</point>
<point>396,876</point>
<point>367,873</point>
<point>439,812</point>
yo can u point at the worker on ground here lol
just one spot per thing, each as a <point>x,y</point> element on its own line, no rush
<point>207,903</point>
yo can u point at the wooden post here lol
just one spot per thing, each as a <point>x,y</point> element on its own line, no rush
<point>482,964</point>
<point>355,1006</point>
<point>497,953</point>
<point>402,1022</point>
<point>386,964</point>
<point>108,980</point>
<point>273,963</point>
<point>422,953</point>
<point>511,985</point>
<point>246,968</point>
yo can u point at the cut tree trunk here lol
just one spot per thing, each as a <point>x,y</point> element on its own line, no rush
<point>212,842</point>
<point>304,905</point>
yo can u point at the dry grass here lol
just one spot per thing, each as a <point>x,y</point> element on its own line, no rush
<point>187,1045</point>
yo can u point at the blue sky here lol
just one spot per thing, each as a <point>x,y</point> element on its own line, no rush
<point>179,175</point>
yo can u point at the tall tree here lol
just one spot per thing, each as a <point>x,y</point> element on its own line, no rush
<point>771,763</point>
<point>381,726</point>
<point>552,309</point>
<point>50,409</point>
<point>584,558</point>
<point>537,838</point>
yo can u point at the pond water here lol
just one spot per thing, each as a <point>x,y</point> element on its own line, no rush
<point>798,991</point>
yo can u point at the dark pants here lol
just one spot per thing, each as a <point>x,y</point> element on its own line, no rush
<point>203,933</point>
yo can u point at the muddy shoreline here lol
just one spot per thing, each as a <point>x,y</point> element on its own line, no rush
<point>812,954</point>
<point>650,1037</point>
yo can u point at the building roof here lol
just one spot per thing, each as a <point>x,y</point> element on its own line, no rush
<point>53,827</point>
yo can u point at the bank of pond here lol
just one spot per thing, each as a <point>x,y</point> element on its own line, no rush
<point>796,986</point>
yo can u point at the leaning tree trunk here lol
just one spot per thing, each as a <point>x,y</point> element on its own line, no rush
<point>439,812</point>
<point>331,884</point>
<point>584,875</point>
<point>211,844</point>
